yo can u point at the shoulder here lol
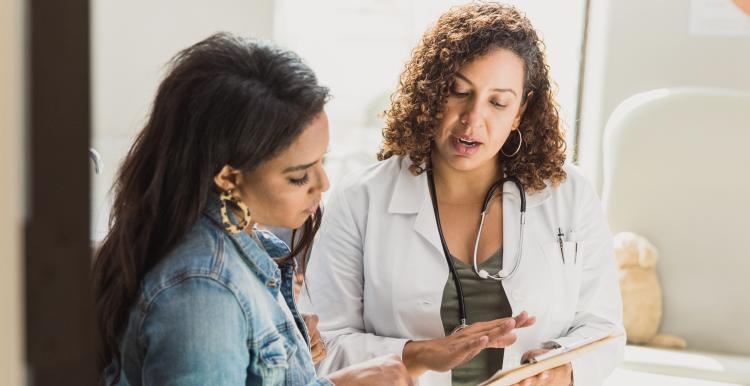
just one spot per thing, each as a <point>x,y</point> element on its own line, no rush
<point>204,255</point>
<point>576,189</point>
<point>575,177</point>
<point>376,176</point>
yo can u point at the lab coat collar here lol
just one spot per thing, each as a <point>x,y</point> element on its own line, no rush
<point>411,195</point>
<point>411,192</point>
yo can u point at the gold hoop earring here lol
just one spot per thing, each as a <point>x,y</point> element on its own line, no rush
<point>518,148</point>
<point>226,198</point>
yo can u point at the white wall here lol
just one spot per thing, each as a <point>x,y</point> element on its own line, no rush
<point>11,200</point>
<point>131,43</point>
<point>640,45</point>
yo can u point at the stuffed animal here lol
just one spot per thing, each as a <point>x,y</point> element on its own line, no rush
<point>641,293</point>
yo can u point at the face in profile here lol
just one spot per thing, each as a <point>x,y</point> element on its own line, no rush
<point>286,190</point>
<point>484,106</point>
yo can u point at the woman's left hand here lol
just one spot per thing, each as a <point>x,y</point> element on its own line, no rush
<point>317,347</point>
<point>557,376</point>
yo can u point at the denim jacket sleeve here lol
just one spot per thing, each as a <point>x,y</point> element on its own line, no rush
<point>195,333</point>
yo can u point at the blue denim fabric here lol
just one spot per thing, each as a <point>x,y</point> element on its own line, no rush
<point>218,311</point>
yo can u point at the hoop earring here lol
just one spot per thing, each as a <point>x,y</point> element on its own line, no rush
<point>518,148</point>
<point>226,197</point>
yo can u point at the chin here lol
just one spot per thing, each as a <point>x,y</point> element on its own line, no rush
<point>468,163</point>
<point>300,221</point>
<point>465,164</point>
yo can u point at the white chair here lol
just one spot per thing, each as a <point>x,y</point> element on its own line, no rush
<point>676,170</point>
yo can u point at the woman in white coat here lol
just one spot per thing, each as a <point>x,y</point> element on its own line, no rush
<point>474,105</point>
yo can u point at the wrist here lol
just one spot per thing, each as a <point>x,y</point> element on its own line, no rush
<point>411,356</point>
<point>338,378</point>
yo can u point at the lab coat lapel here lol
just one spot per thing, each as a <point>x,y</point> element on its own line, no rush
<point>512,221</point>
<point>411,196</point>
<point>511,225</point>
<point>425,223</point>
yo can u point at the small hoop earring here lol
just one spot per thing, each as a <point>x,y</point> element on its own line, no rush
<point>226,198</point>
<point>518,148</point>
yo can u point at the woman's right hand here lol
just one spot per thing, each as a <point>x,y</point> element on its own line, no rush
<point>383,370</point>
<point>444,354</point>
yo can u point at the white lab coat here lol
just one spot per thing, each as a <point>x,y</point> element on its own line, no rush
<point>377,271</point>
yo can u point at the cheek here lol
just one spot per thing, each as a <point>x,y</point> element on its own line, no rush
<point>498,134</point>
<point>287,208</point>
<point>450,118</point>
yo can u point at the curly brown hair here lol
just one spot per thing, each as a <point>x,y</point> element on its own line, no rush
<point>461,35</point>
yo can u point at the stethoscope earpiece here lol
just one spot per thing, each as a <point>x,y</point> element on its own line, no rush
<point>483,274</point>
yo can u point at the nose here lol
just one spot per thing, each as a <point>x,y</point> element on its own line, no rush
<point>472,114</point>
<point>323,183</point>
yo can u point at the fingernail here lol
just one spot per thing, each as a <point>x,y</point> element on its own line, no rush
<point>544,375</point>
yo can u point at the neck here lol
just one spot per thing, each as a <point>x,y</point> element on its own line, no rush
<point>238,214</point>
<point>253,236</point>
<point>461,187</point>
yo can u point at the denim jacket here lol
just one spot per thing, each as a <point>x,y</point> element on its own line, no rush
<point>218,310</point>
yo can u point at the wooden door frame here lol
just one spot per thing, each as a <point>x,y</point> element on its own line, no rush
<point>60,335</point>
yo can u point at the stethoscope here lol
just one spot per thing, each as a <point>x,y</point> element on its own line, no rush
<point>502,274</point>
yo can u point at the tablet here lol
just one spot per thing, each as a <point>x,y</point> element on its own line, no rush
<point>548,360</point>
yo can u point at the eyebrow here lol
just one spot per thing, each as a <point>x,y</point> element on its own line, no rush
<point>465,79</point>
<point>297,168</point>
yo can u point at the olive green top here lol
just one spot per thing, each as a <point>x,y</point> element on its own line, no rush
<point>484,300</point>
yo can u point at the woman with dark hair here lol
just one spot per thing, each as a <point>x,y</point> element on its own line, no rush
<point>188,291</point>
<point>470,217</point>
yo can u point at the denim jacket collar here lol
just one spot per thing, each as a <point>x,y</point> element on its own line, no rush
<point>258,260</point>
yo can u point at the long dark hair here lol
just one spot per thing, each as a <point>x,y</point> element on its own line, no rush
<point>225,101</point>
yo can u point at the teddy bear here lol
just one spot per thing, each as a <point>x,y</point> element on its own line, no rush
<point>641,293</point>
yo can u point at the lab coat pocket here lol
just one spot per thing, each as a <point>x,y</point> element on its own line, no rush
<point>566,281</point>
<point>567,263</point>
<point>567,255</point>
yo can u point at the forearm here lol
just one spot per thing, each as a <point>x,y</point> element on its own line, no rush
<point>411,356</point>
<point>346,348</point>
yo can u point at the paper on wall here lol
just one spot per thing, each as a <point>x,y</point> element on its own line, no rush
<point>719,18</point>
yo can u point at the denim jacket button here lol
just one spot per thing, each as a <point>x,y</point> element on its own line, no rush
<point>271,283</point>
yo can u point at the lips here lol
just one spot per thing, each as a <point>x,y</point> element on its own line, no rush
<point>311,210</point>
<point>465,145</point>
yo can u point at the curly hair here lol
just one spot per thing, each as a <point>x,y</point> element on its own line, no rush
<point>462,34</point>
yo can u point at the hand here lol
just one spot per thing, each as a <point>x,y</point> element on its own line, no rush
<point>317,347</point>
<point>384,370</point>
<point>444,354</point>
<point>557,376</point>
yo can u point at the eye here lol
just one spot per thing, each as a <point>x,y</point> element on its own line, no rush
<point>498,104</point>
<point>300,181</point>
<point>460,94</point>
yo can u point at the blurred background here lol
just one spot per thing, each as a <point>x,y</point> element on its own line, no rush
<point>78,78</point>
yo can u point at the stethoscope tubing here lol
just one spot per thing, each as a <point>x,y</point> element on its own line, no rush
<point>452,267</point>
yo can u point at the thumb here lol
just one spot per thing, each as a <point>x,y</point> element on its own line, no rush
<point>528,355</point>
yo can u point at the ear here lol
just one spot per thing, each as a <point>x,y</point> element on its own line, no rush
<point>228,179</point>
<point>521,110</point>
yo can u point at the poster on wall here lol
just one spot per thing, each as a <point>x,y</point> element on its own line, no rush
<point>727,18</point>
